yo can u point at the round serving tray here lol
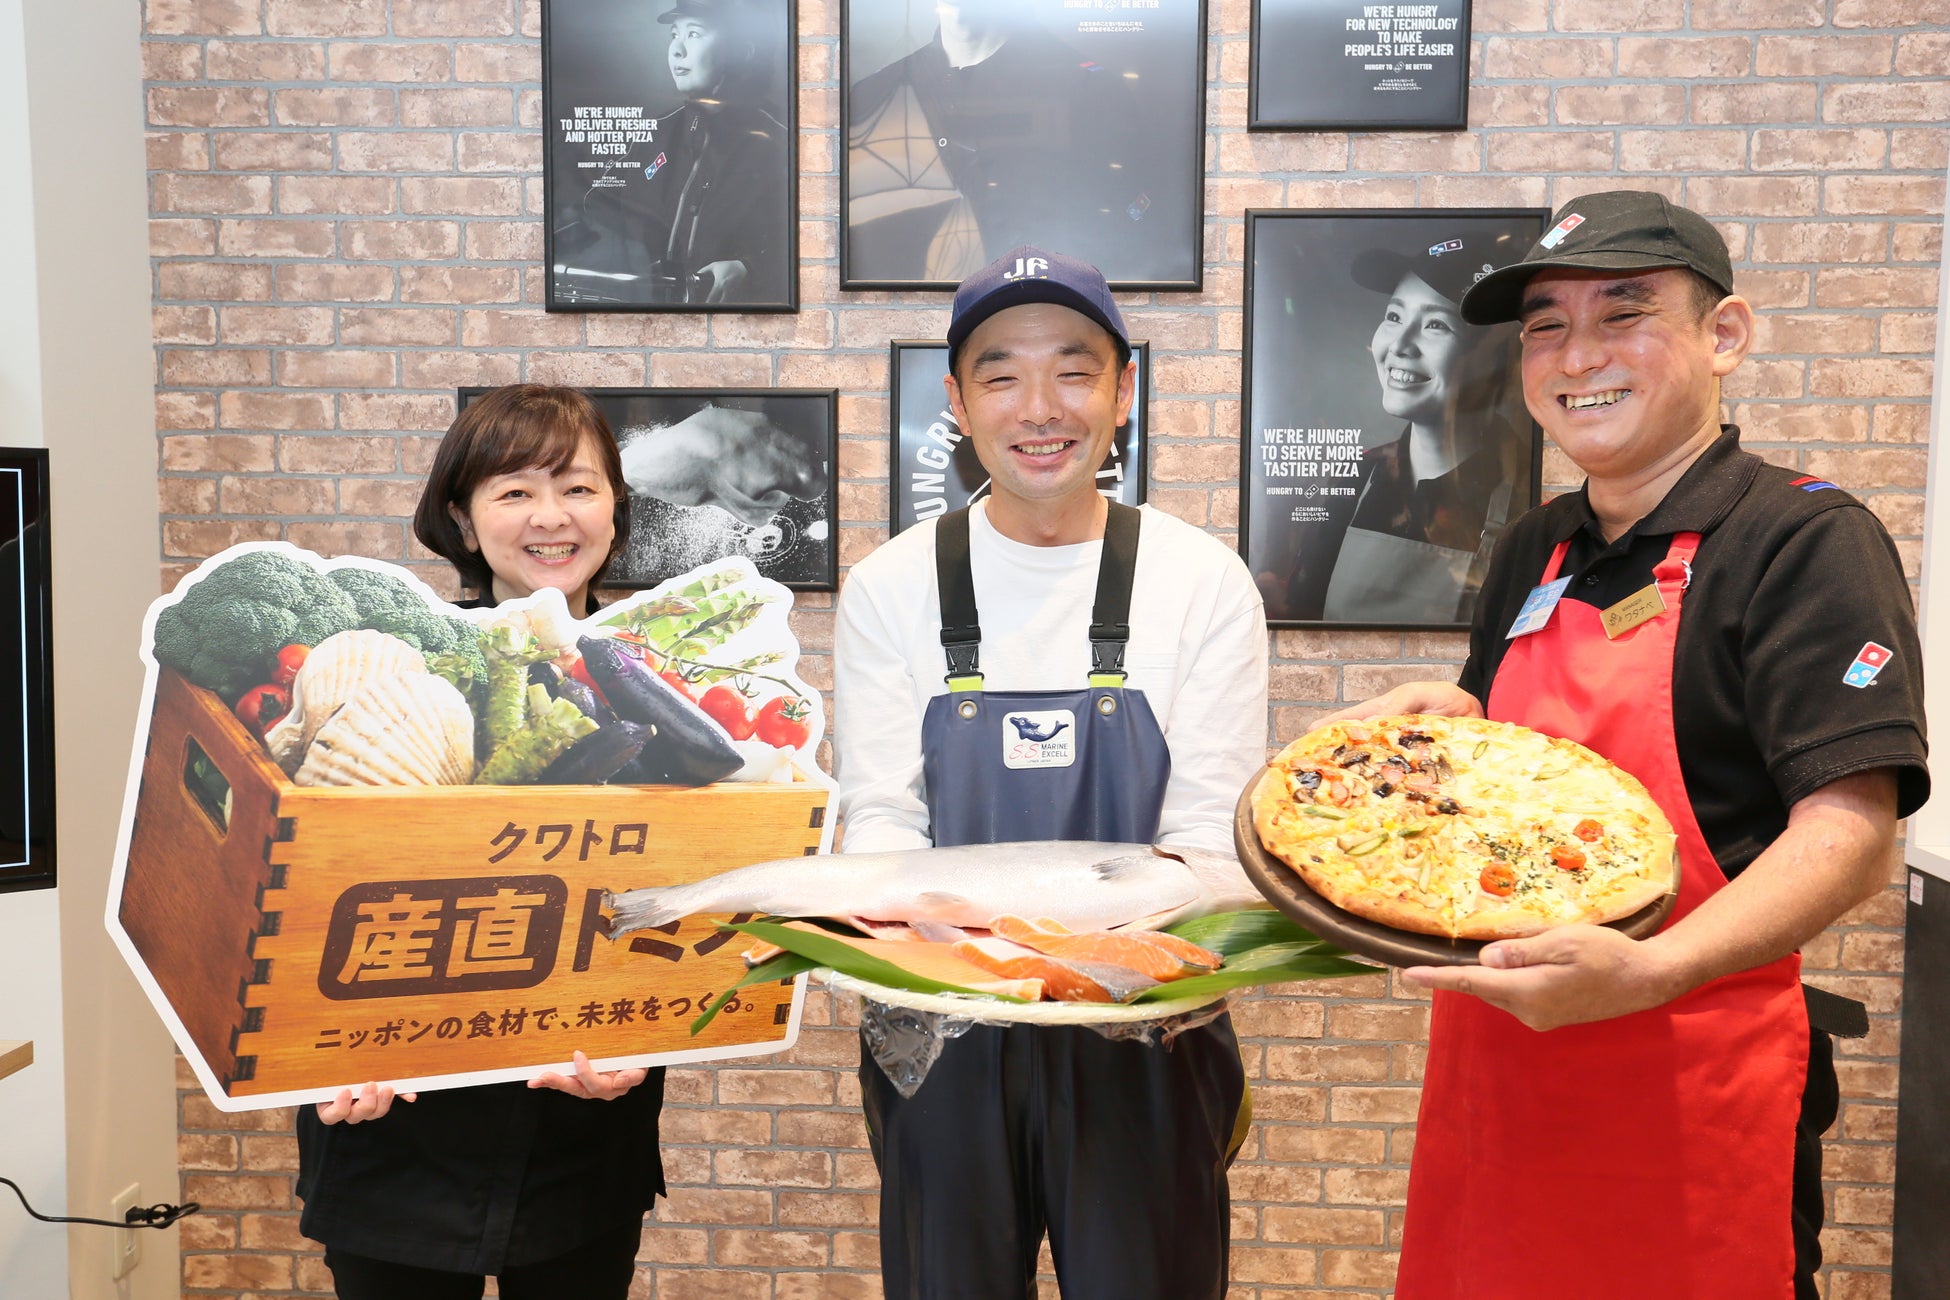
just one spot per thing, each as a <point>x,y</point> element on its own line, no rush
<point>1016,1013</point>
<point>1364,938</point>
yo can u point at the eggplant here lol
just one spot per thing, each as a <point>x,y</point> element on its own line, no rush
<point>685,747</point>
<point>568,688</point>
<point>597,756</point>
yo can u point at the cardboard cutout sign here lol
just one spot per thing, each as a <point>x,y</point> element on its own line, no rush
<point>345,900</point>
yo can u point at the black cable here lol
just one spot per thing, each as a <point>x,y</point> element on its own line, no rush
<point>154,1216</point>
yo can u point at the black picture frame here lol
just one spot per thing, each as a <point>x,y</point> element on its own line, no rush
<point>717,179</point>
<point>1084,133</point>
<point>1335,524</point>
<point>932,468</point>
<point>1310,72</point>
<point>791,477</point>
<point>27,835</point>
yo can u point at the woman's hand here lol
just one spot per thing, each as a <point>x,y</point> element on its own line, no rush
<point>372,1101</point>
<point>725,277</point>
<point>589,1083</point>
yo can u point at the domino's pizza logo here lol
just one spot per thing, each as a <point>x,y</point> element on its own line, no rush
<point>1869,661</point>
<point>1560,230</point>
<point>655,164</point>
<point>1447,246</point>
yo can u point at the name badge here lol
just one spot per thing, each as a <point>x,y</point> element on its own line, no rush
<point>1537,607</point>
<point>1641,606</point>
<point>1044,738</point>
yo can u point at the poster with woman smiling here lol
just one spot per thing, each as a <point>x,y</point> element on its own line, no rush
<point>669,172</point>
<point>1385,442</point>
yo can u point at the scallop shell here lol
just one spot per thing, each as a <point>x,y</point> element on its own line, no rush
<point>399,730</point>
<point>332,674</point>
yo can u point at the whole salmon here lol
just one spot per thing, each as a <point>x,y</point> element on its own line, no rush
<point>1081,884</point>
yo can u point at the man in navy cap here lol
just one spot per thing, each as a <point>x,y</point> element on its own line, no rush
<point>1133,647</point>
<point>1607,1117</point>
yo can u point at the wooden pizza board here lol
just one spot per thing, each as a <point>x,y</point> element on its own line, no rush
<point>1371,939</point>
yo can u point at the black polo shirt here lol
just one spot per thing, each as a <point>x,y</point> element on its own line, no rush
<point>1793,579</point>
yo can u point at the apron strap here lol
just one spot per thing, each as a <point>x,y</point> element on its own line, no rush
<point>1110,625</point>
<point>961,628</point>
<point>1110,618</point>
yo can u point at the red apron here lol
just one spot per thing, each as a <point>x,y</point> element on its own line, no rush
<point>1649,1156</point>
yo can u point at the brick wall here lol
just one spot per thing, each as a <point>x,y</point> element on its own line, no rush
<point>346,209</point>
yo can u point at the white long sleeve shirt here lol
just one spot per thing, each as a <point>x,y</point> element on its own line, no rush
<point>1197,651</point>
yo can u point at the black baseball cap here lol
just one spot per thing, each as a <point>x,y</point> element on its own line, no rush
<point>708,10</point>
<point>1028,274</point>
<point>1617,230</point>
<point>1448,265</point>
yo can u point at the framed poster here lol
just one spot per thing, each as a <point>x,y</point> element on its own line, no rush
<point>1385,444</point>
<point>972,127</point>
<point>933,468</point>
<point>26,674</point>
<point>1347,65</point>
<point>669,180</point>
<point>715,472</point>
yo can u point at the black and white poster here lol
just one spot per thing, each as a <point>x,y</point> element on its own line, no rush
<point>934,468</point>
<point>1351,65</point>
<point>26,675</point>
<point>670,174</point>
<point>719,472</point>
<point>1385,442</point>
<point>972,127</point>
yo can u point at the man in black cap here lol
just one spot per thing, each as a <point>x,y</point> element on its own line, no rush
<point>1047,664</point>
<point>714,204</point>
<point>1604,1117</point>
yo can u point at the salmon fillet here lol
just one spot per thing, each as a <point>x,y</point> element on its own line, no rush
<point>1133,950</point>
<point>1063,980</point>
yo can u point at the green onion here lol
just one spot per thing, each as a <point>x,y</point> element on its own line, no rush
<point>1482,747</point>
<point>1332,814</point>
<point>1368,845</point>
<point>1552,773</point>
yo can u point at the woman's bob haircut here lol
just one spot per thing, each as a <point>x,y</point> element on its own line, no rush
<point>504,431</point>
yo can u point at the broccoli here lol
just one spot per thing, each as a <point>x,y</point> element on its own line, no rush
<point>385,603</point>
<point>226,631</point>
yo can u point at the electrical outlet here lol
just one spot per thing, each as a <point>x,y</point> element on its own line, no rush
<point>128,1241</point>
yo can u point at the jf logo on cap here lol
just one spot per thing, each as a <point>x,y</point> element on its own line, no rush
<point>1617,230</point>
<point>1027,274</point>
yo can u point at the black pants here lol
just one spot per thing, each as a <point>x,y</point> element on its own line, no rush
<point>599,1269</point>
<point>1119,1149</point>
<point>1820,1102</point>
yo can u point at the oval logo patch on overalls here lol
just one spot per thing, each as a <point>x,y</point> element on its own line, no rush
<point>1041,738</point>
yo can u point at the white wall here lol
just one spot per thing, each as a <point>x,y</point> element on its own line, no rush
<point>95,1111</point>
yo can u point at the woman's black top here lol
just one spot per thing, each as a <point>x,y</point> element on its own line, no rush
<point>472,1180</point>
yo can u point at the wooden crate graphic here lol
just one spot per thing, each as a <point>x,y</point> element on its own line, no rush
<point>300,939</point>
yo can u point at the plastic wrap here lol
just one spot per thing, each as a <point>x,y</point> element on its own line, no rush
<point>905,1042</point>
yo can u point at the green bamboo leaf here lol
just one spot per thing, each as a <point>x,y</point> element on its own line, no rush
<point>1277,963</point>
<point>1227,933</point>
<point>782,967</point>
<point>848,960</point>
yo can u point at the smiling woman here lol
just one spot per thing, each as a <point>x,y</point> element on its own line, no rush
<point>527,492</point>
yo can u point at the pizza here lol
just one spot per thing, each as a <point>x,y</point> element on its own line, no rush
<point>1463,827</point>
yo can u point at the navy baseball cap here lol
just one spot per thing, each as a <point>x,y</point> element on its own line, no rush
<point>1028,274</point>
<point>1616,230</point>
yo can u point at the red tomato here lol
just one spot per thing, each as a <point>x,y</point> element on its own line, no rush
<point>260,707</point>
<point>683,686</point>
<point>1589,830</point>
<point>1498,879</point>
<point>785,722</point>
<point>290,660</point>
<point>1568,856</point>
<point>727,706</point>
